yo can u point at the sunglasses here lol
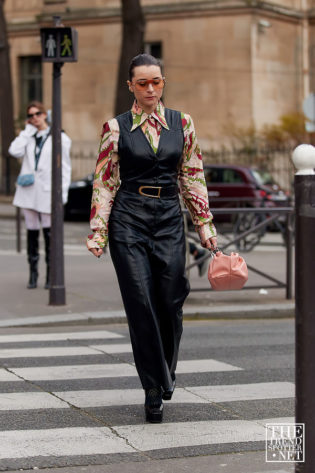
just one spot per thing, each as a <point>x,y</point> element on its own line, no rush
<point>157,83</point>
<point>36,114</point>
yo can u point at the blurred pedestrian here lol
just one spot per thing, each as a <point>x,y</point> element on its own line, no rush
<point>135,206</point>
<point>198,253</point>
<point>33,187</point>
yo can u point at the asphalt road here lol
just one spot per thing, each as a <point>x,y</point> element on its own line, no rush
<point>70,399</point>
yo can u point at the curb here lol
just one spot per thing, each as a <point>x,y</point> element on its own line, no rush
<point>242,311</point>
<point>244,314</point>
<point>259,311</point>
<point>7,216</point>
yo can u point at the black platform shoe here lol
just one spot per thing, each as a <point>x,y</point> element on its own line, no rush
<point>167,395</point>
<point>153,406</point>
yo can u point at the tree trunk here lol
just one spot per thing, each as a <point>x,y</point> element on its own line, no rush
<point>132,44</point>
<point>6,105</point>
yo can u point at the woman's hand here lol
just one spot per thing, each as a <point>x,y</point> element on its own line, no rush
<point>206,242</point>
<point>210,244</point>
<point>29,129</point>
<point>96,252</point>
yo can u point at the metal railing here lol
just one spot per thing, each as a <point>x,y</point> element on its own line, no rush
<point>268,215</point>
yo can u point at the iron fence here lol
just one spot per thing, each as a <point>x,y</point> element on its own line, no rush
<point>276,161</point>
<point>269,215</point>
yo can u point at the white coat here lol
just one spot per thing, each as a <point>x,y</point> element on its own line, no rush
<point>38,195</point>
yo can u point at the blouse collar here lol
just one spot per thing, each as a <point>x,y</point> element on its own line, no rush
<point>139,116</point>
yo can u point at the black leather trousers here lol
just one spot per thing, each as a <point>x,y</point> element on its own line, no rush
<point>147,246</point>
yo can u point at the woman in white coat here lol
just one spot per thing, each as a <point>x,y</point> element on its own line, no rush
<point>33,188</point>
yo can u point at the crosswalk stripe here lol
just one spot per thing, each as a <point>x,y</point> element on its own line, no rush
<point>204,366</point>
<point>245,392</point>
<point>47,352</point>
<point>114,348</point>
<point>61,442</point>
<point>129,438</point>
<point>113,370</point>
<point>52,373</point>
<point>122,397</point>
<point>39,337</point>
<point>183,434</point>
<point>40,352</point>
<point>6,376</point>
<point>30,400</point>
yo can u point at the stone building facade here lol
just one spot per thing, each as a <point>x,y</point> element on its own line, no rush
<point>227,62</point>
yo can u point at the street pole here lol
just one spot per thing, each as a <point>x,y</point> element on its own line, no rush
<point>57,293</point>
<point>59,45</point>
<point>304,161</point>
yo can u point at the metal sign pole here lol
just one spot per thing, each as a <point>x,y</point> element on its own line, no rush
<point>59,45</point>
<point>57,293</point>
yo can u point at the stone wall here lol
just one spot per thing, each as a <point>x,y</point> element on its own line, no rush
<point>230,62</point>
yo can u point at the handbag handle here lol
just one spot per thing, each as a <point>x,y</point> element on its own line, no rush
<point>214,251</point>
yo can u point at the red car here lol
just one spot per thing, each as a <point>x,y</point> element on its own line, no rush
<point>238,186</point>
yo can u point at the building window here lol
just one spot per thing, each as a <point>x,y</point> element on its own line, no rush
<point>30,80</point>
<point>155,49</point>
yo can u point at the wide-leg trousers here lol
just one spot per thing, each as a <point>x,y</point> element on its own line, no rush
<point>147,246</point>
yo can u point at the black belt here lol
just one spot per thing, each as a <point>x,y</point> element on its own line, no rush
<point>155,192</point>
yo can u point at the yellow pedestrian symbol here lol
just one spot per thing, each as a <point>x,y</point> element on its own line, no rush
<point>67,43</point>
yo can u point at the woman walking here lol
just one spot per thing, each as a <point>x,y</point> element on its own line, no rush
<point>135,206</point>
<point>33,188</point>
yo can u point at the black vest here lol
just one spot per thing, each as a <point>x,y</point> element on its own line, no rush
<point>138,162</point>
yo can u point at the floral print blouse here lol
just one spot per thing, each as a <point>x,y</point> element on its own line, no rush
<point>191,178</point>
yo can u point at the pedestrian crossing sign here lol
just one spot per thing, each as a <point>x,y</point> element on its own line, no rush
<point>59,44</point>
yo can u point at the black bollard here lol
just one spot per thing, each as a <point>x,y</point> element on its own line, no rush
<point>305,302</point>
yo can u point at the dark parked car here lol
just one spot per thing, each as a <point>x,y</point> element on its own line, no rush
<point>242,186</point>
<point>228,186</point>
<point>79,199</point>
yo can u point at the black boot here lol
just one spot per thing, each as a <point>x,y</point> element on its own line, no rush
<point>33,257</point>
<point>46,232</point>
<point>153,405</point>
<point>167,395</point>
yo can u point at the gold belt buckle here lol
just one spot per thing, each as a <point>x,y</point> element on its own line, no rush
<point>149,195</point>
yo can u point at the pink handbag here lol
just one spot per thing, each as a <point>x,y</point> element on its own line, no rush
<point>227,272</point>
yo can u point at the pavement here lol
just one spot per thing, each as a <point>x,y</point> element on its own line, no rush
<point>249,462</point>
<point>92,293</point>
